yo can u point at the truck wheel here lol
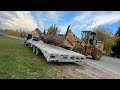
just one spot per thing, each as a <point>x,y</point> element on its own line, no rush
<point>79,49</point>
<point>34,49</point>
<point>97,54</point>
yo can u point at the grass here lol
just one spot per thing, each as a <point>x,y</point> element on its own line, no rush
<point>18,62</point>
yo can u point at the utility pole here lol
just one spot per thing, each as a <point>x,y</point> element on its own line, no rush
<point>91,23</point>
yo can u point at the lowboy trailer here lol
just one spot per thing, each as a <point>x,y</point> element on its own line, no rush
<point>51,52</point>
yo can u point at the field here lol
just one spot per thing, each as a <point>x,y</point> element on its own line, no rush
<point>18,61</point>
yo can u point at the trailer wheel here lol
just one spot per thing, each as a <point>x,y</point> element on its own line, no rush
<point>79,49</point>
<point>25,42</point>
<point>34,49</point>
<point>37,51</point>
<point>97,54</point>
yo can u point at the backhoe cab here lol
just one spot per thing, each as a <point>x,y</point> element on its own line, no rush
<point>89,37</point>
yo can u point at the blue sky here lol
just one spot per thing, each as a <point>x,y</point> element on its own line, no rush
<point>79,20</point>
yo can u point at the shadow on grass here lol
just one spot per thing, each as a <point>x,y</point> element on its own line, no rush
<point>62,63</point>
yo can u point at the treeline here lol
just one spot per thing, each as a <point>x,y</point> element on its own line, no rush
<point>53,30</point>
<point>111,42</point>
<point>105,35</point>
<point>116,48</point>
<point>17,33</point>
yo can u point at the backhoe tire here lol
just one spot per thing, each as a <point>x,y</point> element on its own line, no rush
<point>79,49</point>
<point>97,54</point>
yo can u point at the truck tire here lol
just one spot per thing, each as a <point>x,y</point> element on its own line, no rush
<point>97,54</point>
<point>79,49</point>
<point>34,49</point>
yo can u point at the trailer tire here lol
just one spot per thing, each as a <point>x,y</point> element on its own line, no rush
<point>79,49</point>
<point>34,49</point>
<point>37,51</point>
<point>25,42</point>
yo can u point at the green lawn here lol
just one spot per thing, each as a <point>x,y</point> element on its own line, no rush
<point>18,61</point>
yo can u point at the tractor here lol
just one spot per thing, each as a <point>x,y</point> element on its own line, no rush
<point>89,45</point>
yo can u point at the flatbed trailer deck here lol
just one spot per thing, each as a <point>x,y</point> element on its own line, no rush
<point>54,53</point>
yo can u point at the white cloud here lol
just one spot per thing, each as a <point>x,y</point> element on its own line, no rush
<point>19,19</point>
<point>25,20</point>
<point>39,20</point>
<point>46,18</point>
<point>83,16</point>
<point>51,17</point>
<point>54,16</point>
<point>9,25</point>
<point>87,20</point>
<point>63,28</point>
<point>109,18</point>
<point>97,17</point>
